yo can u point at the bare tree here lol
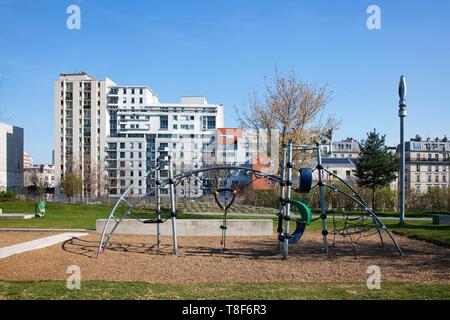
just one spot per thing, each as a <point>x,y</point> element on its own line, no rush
<point>38,183</point>
<point>293,107</point>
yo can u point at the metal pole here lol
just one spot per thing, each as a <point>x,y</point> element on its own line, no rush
<point>402,115</point>
<point>282,185</point>
<point>158,201</point>
<point>288,197</point>
<point>322,199</point>
<point>172,207</point>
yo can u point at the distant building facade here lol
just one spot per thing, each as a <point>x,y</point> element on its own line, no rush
<point>339,157</point>
<point>250,149</point>
<point>427,163</point>
<point>27,160</point>
<point>11,158</point>
<point>39,175</point>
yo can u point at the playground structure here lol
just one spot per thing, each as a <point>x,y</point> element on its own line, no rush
<point>353,227</point>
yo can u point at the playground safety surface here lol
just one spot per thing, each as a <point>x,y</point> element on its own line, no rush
<point>248,259</point>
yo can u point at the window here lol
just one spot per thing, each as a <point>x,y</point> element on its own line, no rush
<point>124,90</point>
<point>122,145</point>
<point>175,118</point>
<point>122,155</point>
<point>132,100</point>
<point>141,100</point>
<point>418,168</point>
<point>175,126</point>
<point>208,122</point>
<point>418,178</point>
<point>347,174</point>
<point>132,91</point>
<point>163,122</point>
<point>436,178</point>
<point>141,91</point>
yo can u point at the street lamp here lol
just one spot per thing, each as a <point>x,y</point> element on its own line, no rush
<point>402,115</point>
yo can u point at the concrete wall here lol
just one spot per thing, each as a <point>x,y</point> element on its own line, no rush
<point>185,227</point>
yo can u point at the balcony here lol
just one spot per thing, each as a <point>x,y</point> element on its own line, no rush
<point>427,160</point>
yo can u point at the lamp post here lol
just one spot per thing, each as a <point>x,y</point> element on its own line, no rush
<point>402,115</point>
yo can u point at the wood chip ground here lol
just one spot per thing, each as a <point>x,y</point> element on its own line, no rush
<point>247,259</point>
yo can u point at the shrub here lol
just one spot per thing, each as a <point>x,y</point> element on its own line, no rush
<point>7,196</point>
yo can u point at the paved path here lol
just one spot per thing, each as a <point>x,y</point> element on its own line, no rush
<point>37,244</point>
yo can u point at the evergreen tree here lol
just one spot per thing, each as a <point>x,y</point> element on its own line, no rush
<point>376,167</point>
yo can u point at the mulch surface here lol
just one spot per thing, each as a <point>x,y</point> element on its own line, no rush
<point>247,259</point>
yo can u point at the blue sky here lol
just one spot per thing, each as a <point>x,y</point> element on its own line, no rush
<point>222,48</point>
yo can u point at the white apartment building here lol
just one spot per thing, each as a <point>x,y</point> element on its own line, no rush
<point>113,134</point>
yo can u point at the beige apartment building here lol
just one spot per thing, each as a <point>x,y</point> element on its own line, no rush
<point>80,139</point>
<point>427,163</point>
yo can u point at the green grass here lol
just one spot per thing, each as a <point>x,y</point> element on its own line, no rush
<point>423,230</point>
<point>58,215</point>
<point>102,290</point>
<point>78,216</point>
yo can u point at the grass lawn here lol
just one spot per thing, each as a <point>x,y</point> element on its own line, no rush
<point>101,290</point>
<point>78,216</point>
<point>423,230</point>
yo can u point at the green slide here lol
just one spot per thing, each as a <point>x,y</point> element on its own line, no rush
<point>304,210</point>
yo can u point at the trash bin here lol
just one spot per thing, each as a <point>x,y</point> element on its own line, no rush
<point>40,208</point>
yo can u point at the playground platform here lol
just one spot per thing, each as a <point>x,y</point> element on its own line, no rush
<point>15,216</point>
<point>188,227</point>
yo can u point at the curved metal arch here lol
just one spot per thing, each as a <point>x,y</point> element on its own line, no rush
<point>246,169</point>
<point>163,183</point>
<point>377,222</point>
<point>103,243</point>
<point>347,185</point>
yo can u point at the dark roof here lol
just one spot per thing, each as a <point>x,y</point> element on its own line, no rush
<point>351,161</point>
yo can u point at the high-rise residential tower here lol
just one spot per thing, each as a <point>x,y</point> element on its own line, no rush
<point>112,134</point>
